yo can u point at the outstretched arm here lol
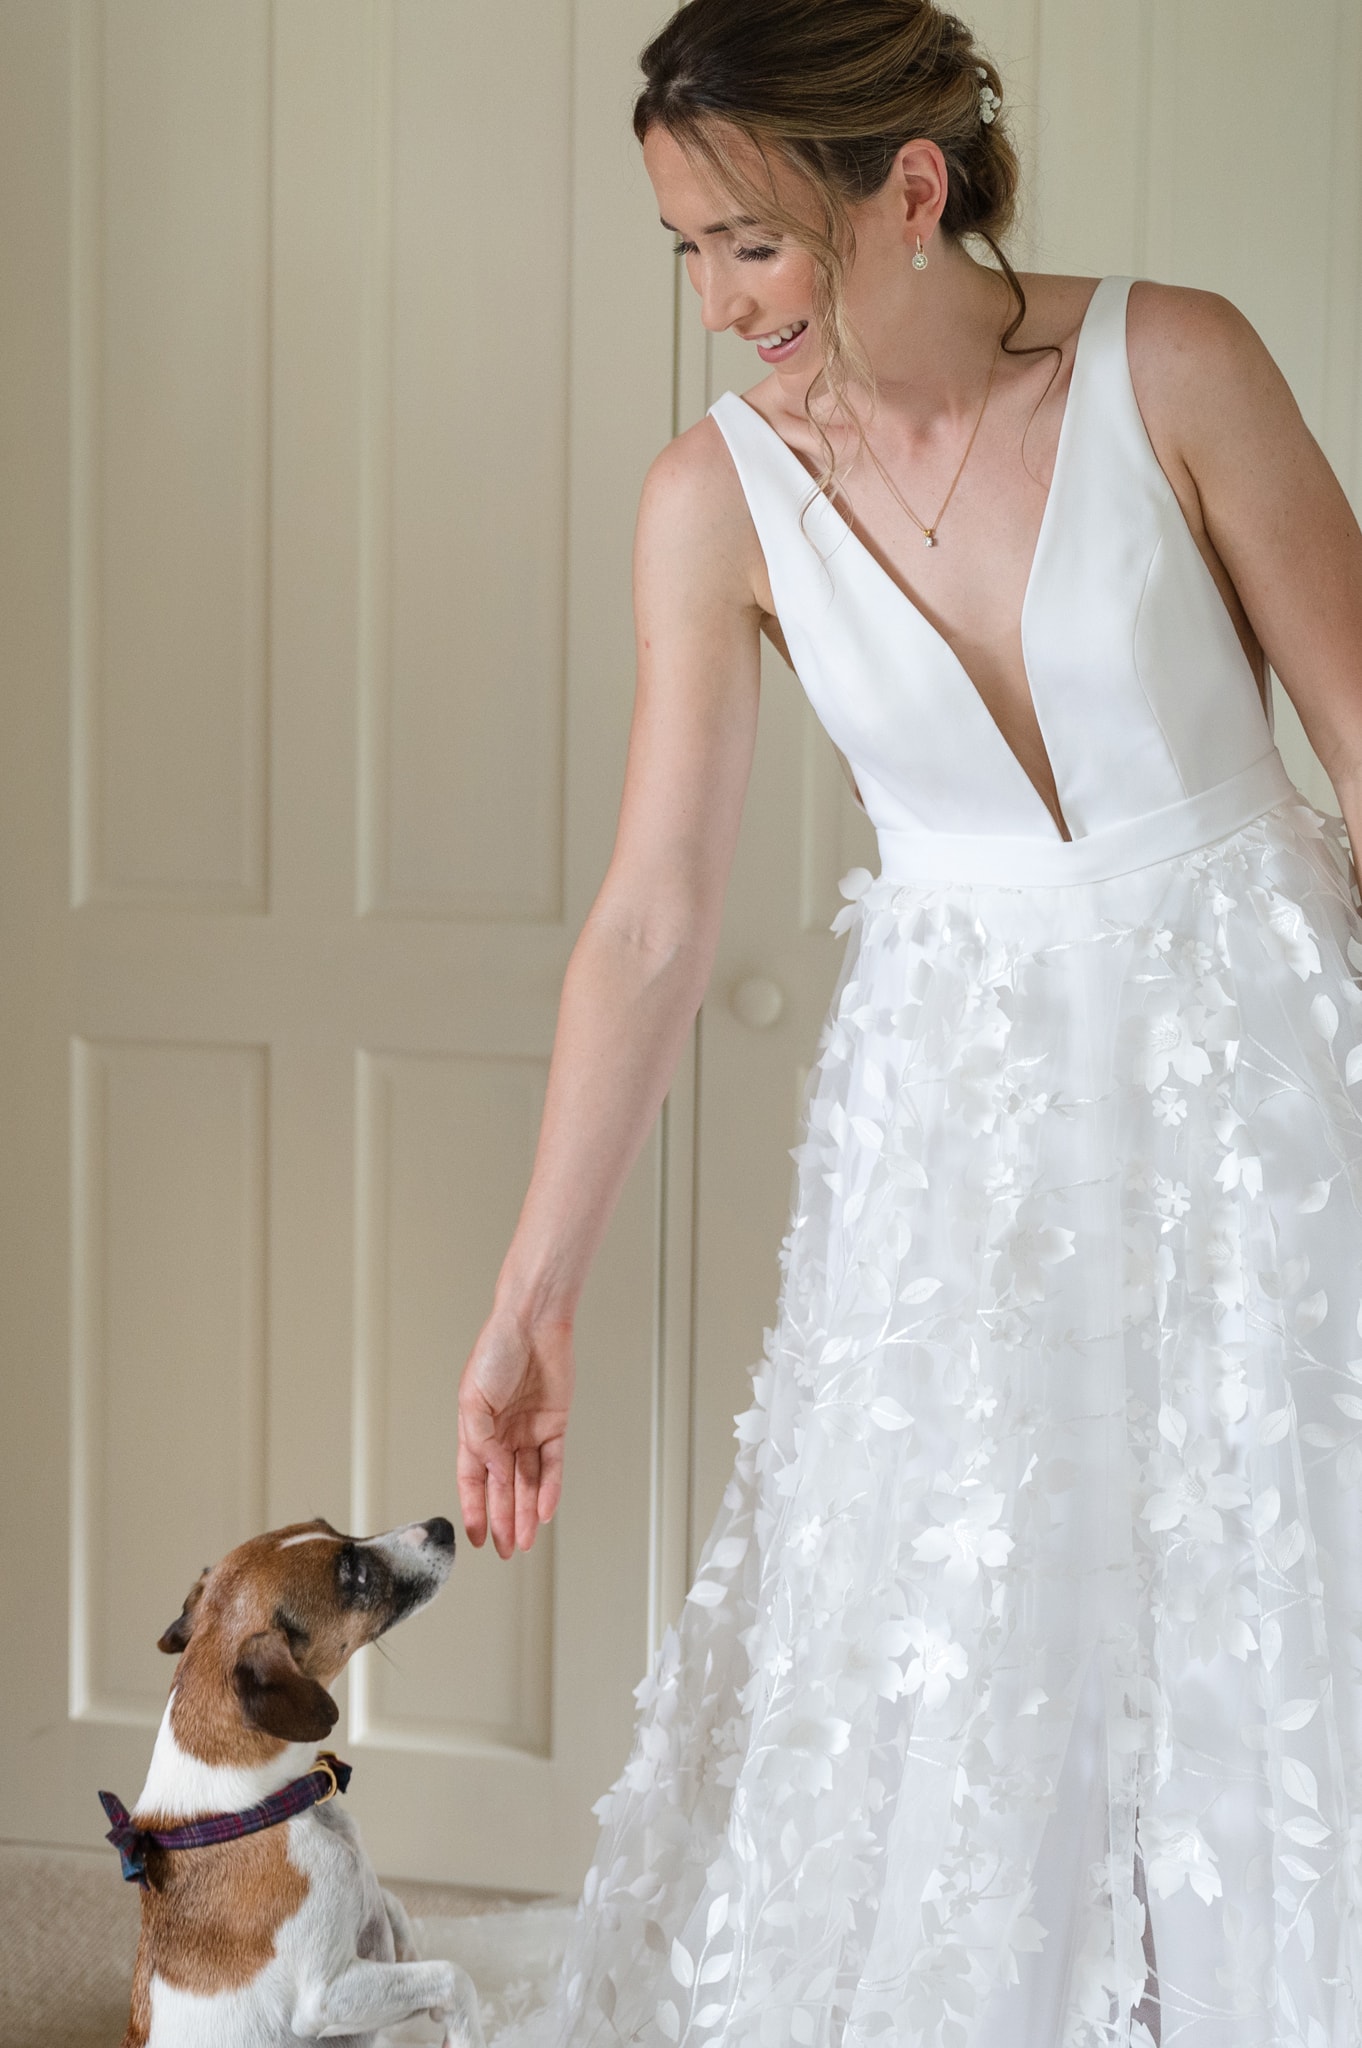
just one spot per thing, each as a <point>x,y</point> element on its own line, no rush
<point>636,976</point>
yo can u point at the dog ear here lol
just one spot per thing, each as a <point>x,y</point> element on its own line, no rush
<point>276,1696</point>
<point>178,1634</point>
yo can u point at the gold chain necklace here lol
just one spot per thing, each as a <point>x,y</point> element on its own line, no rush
<point>929,532</point>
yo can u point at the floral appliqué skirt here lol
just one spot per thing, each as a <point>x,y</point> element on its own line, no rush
<point>1017,1701</point>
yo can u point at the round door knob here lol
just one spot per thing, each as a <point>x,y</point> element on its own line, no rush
<point>757,1002</point>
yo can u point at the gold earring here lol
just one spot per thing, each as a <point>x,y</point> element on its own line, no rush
<point>920,258</point>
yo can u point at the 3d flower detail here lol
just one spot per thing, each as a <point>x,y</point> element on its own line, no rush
<point>811,1745</point>
<point>1026,1254</point>
<point>807,1536</point>
<point>1285,931</point>
<point>937,1662</point>
<point>1169,1044</point>
<point>873,1660</point>
<point>1241,1170</point>
<point>1175,1853</point>
<point>966,1541</point>
<point>1197,1495</point>
<point>1218,1621</point>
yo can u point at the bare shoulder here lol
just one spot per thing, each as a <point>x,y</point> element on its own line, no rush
<point>1184,325</point>
<point>1199,369</point>
<point>692,508</point>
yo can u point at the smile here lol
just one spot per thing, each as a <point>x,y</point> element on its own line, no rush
<point>782,342</point>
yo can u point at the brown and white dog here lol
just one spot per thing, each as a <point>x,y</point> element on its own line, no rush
<point>284,1934</point>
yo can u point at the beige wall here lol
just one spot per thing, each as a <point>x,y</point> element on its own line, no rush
<point>335,337</point>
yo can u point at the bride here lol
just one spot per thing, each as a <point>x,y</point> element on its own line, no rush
<point>1017,1700</point>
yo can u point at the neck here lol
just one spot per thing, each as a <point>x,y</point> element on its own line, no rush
<point>931,340</point>
<point>181,1786</point>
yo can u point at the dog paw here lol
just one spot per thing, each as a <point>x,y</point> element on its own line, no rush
<point>462,2028</point>
<point>467,2034</point>
<point>458,2033</point>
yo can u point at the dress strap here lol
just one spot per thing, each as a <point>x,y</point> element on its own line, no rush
<point>1113,429</point>
<point>798,530</point>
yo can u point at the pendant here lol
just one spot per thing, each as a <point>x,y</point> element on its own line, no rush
<point>929,537</point>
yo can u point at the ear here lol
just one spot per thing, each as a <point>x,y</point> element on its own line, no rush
<point>178,1634</point>
<point>276,1696</point>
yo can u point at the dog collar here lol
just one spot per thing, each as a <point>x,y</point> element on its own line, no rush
<point>327,1777</point>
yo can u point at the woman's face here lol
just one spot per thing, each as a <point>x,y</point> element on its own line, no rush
<point>759,285</point>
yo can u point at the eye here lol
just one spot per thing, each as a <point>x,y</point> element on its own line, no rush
<point>357,1575</point>
<point>298,1637</point>
<point>758,254</point>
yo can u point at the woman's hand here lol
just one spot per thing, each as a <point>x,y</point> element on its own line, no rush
<point>513,1409</point>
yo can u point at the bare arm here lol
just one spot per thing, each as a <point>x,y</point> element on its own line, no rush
<point>636,975</point>
<point>1271,506</point>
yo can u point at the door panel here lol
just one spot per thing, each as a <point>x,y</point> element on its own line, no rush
<point>323,480</point>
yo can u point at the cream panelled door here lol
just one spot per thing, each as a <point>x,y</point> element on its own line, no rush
<point>336,339</point>
<point>1142,128</point>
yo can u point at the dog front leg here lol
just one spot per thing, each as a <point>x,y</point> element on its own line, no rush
<point>404,1940</point>
<point>367,1996</point>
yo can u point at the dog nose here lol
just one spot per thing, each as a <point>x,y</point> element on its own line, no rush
<point>440,1532</point>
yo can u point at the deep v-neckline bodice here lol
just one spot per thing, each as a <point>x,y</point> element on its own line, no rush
<point>1146,705</point>
<point>1048,518</point>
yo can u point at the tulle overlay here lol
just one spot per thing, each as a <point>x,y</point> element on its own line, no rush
<point>1067,1366</point>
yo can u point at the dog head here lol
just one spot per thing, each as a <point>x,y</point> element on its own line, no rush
<point>263,1634</point>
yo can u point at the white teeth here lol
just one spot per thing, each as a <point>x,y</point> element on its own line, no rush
<point>782,334</point>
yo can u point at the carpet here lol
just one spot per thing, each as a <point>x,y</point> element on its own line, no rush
<point>68,1934</point>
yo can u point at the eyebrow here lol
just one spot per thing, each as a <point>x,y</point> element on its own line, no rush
<point>720,227</point>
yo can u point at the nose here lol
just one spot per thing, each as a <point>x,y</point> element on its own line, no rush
<point>721,304</point>
<point>718,317</point>
<point>440,1533</point>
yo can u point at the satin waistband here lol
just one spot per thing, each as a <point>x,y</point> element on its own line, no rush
<point>1013,862</point>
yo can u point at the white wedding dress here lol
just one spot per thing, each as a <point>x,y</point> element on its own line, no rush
<point>1036,1590</point>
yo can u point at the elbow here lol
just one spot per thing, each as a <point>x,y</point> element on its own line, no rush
<point>665,948</point>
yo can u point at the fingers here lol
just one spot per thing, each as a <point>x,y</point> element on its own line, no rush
<point>550,1477</point>
<point>501,1501</point>
<point>472,1493</point>
<point>520,1495</point>
<point>507,1491</point>
<point>486,1472</point>
<point>526,1497</point>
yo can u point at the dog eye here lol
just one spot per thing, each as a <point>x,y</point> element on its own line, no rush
<point>355,1572</point>
<point>298,1637</point>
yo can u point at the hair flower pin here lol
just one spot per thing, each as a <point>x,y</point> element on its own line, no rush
<point>989,102</point>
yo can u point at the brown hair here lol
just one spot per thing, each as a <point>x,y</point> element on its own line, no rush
<point>832,89</point>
